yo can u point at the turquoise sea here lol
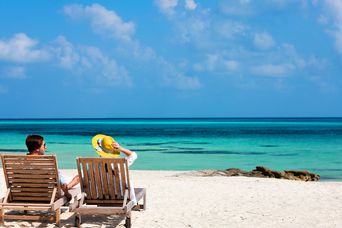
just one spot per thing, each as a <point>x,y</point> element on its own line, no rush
<point>313,144</point>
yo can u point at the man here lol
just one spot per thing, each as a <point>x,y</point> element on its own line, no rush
<point>36,146</point>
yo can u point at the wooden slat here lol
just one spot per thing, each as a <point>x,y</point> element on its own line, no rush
<point>92,201</point>
<point>29,194</point>
<point>98,182</point>
<point>18,204</point>
<point>50,181</point>
<point>30,176</point>
<point>111,181</point>
<point>20,166</point>
<point>22,208</point>
<point>104,178</point>
<point>21,189</point>
<point>85,177</point>
<point>28,199</point>
<point>33,184</point>
<point>91,181</point>
<point>33,171</point>
<point>46,157</point>
<point>118,191</point>
<point>31,159</point>
<point>101,210</point>
<point>123,176</point>
<point>128,180</point>
<point>30,217</point>
<point>30,163</point>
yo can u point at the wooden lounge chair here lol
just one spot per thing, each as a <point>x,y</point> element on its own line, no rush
<point>105,187</point>
<point>32,185</point>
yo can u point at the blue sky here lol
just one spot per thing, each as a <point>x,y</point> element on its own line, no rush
<point>170,58</point>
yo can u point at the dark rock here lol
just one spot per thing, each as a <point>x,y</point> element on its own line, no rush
<point>234,172</point>
<point>301,175</point>
<point>261,171</point>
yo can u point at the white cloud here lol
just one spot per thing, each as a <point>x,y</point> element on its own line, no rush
<point>322,19</point>
<point>198,67</point>
<point>279,3</point>
<point>66,53</point>
<point>273,70</point>
<point>217,63</point>
<point>232,65</point>
<point>165,73</point>
<point>190,4</point>
<point>172,77</point>
<point>263,41</point>
<point>16,72</point>
<point>103,21</point>
<point>167,6</point>
<point>252,8</point>
<point>109,73</point>
<point>89,62</point>
<point>22,49</point>
<point>191,30</point>
<point>230,29</point>
<point>323,85</point>
<point>237,7</point>
<point>212,61</point>
<point>336,10</point>
<point>183,82</point>
<point>288,52</point>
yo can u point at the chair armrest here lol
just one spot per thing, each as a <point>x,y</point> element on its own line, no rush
<point>78,201</point>
<point>127,206</point>
<point>53,195</point>
<point>4,199</point>
<point>125,198</point>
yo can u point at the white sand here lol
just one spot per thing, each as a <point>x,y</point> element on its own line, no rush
<point>188,201</point>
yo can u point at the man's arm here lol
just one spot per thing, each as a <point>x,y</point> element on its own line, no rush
<point>73,182</point>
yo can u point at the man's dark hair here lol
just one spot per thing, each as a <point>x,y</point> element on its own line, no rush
<point>34,142</point>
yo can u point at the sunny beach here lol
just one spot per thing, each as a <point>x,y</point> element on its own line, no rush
<point>208,113</point>
<point>178,200</point>
<point>177,169</point>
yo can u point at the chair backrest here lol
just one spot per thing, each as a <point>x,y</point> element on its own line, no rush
<point>104,180</point>
<point>31,178</point>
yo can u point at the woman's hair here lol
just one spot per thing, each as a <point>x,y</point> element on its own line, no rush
<point>34,142</point>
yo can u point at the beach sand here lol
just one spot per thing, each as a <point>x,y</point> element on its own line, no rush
<point>178,200</point>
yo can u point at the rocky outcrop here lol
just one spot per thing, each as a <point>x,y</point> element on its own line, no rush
<point>261,171</point>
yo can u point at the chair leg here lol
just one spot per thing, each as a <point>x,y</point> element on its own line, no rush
<point>77,220</point>
<point>58,217</point>
<point>128,221</point>
<point>2,220</point>
<point>144,206</point>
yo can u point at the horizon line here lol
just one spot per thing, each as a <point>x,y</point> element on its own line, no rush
<point>128,118</point>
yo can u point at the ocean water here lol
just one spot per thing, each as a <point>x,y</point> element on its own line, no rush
<point>313,144</point>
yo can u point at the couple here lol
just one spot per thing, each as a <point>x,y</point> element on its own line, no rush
<point>104,146</point>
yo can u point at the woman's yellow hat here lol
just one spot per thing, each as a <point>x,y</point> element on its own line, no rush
<point>103,146</point>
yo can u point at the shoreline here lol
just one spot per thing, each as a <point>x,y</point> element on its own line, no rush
<point>176,199</point>
<point>188,172</point>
